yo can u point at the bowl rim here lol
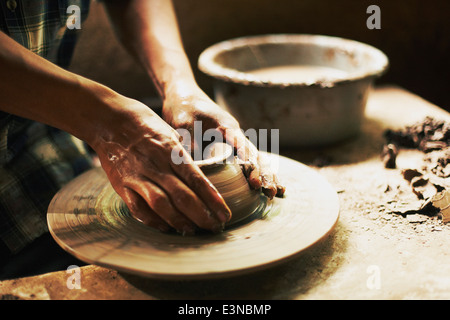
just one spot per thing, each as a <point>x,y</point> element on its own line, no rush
<point>208,66</point>
<point>224,153</point>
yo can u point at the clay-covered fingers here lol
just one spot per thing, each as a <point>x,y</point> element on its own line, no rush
<point>247,154</point>
<point>281,189</point>
<point>256,166</point>
<point>271,186</point>
<point>158,202</point>
<point>140,210</point>
<point>197,195</point>
<point>162,185</point>
<point>162,200</point>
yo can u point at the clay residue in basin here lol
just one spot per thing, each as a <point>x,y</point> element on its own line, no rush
<point>307,74</point>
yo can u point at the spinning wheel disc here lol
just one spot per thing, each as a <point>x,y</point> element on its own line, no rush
<point>90,221</point>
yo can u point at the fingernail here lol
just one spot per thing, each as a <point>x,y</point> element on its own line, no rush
<point>223,216</point>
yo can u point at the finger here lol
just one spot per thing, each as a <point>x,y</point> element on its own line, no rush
<point>193,207</point>
<point>202,189</point>
<point>269,188</point>
<point>245,150</point>
<point>268,179</point>
<point>160,203</point>
<point>254,178</point>
<point>247,154</point>
<point>280,188</point>
<point>140,210</point>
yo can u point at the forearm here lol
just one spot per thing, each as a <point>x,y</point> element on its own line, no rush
<point>134,145</point>
<point>149,30</point>
<point>34,88</point>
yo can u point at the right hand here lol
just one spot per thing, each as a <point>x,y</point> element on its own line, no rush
<point>181,111</point>
<point>135,152</point>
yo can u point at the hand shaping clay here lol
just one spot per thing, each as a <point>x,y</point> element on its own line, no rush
<point>225,173</point>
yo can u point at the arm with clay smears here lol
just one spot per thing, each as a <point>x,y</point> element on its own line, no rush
<point>149,30</point>
<point>133,143</point>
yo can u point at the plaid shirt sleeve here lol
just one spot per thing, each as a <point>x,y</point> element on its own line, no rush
<point>35,160</point>
<point>40,26</point>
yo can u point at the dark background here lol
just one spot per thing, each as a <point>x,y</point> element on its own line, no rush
<point>414,34</point>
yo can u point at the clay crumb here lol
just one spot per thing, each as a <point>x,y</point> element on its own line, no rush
<point>409,174</point>
<point>441,200</point>
<point>427,135</point>
<point>432,137</point>
<point>389,155</point>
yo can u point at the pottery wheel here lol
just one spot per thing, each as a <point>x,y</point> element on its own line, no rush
<point>90,221</point>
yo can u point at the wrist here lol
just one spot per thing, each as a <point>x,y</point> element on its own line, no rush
<point>185,94</point>
<point>106,116</point>
<point>181,87</point>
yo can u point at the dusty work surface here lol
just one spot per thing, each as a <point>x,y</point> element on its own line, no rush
<point>373,252</point>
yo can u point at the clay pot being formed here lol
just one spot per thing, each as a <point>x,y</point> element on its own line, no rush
<point>225,173</point>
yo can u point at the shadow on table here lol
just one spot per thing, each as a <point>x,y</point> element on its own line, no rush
<point>289,280</point>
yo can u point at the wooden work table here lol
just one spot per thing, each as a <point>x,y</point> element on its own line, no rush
<point>371,254</point>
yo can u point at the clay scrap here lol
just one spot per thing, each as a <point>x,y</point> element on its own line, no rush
<point>427,135</point>
<point>389,155</point>
<point>429,183</point>
<point>441,200</point>
<point>422,185</point>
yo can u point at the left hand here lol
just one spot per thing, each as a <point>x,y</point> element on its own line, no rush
<point>180,111</point>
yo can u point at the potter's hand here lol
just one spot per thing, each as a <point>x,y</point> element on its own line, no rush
<point>180,111</point>
<point>134,145</point>
<point>135,152</point>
